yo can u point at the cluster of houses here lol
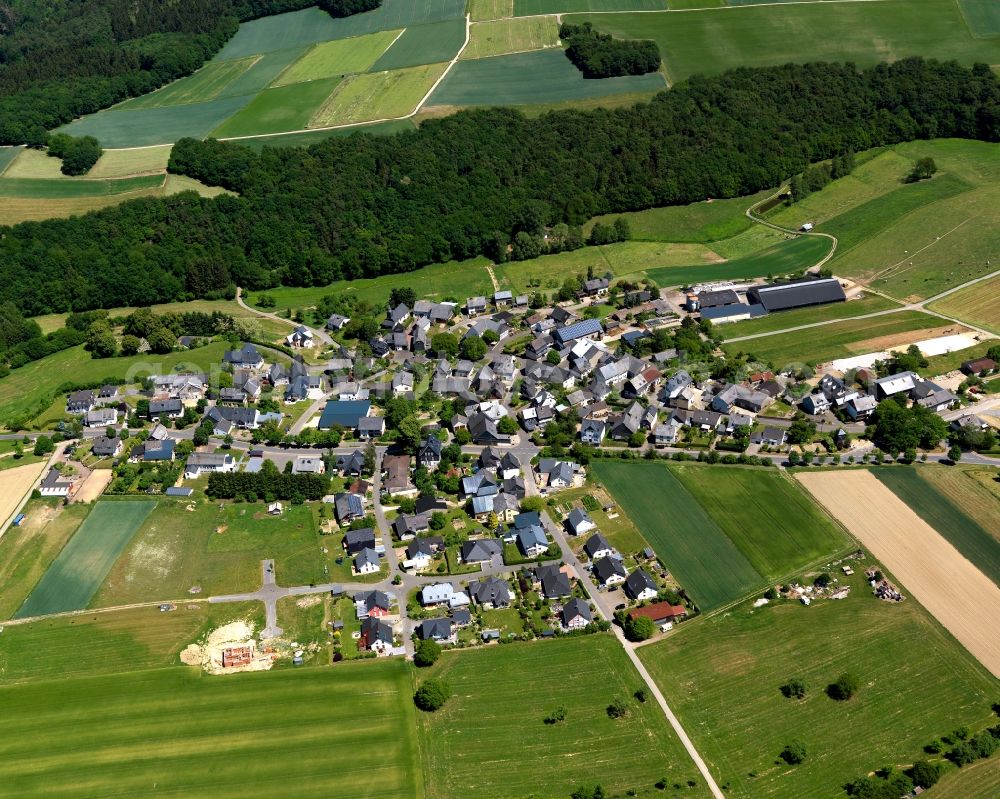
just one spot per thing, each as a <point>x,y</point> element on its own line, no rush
<point>859,403</point>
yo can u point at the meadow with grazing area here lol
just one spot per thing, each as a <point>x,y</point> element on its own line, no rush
<point>30,389</point>
<point>714,40</point>
<point>338,57</point>
<point>772,521</point>
<point>424,44</point>
<point>490,739</point>
<point>781,320</point>
<point>218,549</point>
<point>545,76</point>
<point>791,256</point>
<point>843,339</point>
<point>177,732</point>
<point>377,95</point>
<point>978,305</point>
<point>691,544</point>
<point>927,565</point>
<point>73,578</point>
<point>922,489</point>
<point>511,36</point>
<point>722,676</point>
<point>26,552</point>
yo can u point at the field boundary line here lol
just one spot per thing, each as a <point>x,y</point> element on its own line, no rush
<point>110,609</point>
<point>716,8</point>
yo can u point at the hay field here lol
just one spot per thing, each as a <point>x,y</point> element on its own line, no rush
<point>379,95</point>
<point>956,593</point>
<point>14,484</point>
<point>481,10</point>
<point>511,36</point>
<point>75,575</point>
<point>206,84</point>
<point>978,304</point>
<point>31,163</point>
<point>490,740</point>
<point>338,57</point>
<point>122,163</point>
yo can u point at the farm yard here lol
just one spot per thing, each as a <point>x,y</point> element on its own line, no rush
<point>177,731</point>
<point>490,739</point>
<point>73,578</point>
<point>952,588</point>
<point>722,675</point>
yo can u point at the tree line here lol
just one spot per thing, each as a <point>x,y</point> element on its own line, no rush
<point>600,55</point>
<point>465,185</point>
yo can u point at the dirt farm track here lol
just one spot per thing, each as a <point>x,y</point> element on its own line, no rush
<point>928,567</point>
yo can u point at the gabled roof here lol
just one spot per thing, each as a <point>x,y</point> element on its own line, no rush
<point>637,582</point>
<point>609,567</point>
<point>576,607</point>
<point>596,543</point>
<point>434,629</point>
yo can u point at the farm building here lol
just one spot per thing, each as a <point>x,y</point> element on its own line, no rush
<point>660,612</point>
<point>797,295</point>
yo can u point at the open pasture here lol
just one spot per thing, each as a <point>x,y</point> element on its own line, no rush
<point>377,95</point>
<point>424,44</point>
<point>526,8</point>
<point>978,304</point>
<point>279,109</point>
<point>480,10</point>
<point>546,76</point>
<point>714,40</point>
<point>866,304</point>
<point>919,489</point>
<point>123,163</point>
<point>772,521</point>
<point>338,57</point>
<point>692,545</point>
<point>206,84</point>
<point>511,36</point>
<point>983,17</point>
<point>178,732</point>
<point>75,575</point>
<point>490,739</point>
<point>722,676</point>
<point>929,567</point>
<point>217,550</point>
<point>793,255</point>
<point>840,339</point>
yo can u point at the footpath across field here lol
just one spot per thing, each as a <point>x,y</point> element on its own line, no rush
<point>74,577</point>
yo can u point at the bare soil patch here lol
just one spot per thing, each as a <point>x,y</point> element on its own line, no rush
<point>934,572</point>
<point>94,485</point>
<point>896,340</point>
<point>14,484</point>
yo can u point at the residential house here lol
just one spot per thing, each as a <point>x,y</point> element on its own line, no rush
<point>660,612</point>
<point>372,603</point>
<point>597,547</point>
<point>397,317</point>
<point>553,581</point>
<point>484,430</point>
<point>860,408</point>
<point>592,431</point>
<point>227,419</point>
<point>101,417</point>
<point>300,338</point>
<point>480,550</point>
<point>155,451</point>
<point>80,402</point>
<point>640,586</point>
<point>370,427</point>
<point>579,522</point>
<point>165,409</point>
<point>348,507</point>
<point>367,562</point>
<point>356,540</point>
<point>575,614</point>
<point>501,299</point>
<point>595,287</point>
<point>396,480</point>
<point>408,525</point>
<point>337,322</point>
<point>308,464</point>
<point>816,403</point>
<point>586,328</point>
<point>347,415</point>
<point>247,357</point>
<point>609,571</point>
<point>490,593</point>
<point>553,473</point>
<point>532,541</point>
<point>770,436</point>
<point>55,485</point>
<point>475,306</point>
<point>978,366</point>
<point>104,447</point>
<point>434,630</point>
<point>420,552</point>
<point>902,383</point>
<point>402,383</point>
<point>436,593</point>
<point>376,636</point>
<point>199,463</point>
<point>675,384</point>
<point>625,426</point>
<point>351,464</point>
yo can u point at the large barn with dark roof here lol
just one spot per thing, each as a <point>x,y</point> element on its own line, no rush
<point>800,294</point>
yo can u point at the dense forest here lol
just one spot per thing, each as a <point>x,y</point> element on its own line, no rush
<point>466,184</point>
<point>600,55</point>
<point>61,60</point>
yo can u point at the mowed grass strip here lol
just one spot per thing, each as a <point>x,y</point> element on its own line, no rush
<point>122,163</point>
<point>480,10</point>
<point>277,110</point>
<point>722,677</point>
<point>866,304</point>
<point>692,545</point>
<point>204,85</point>
<point>424,44</point>
<point>378,95</point>
<point>541,77</point>
<point>75,575</point>
<point>42,189</point>
<point>339,57</point>
<point>772,521</point>
<point>715,40</point>
<point>790,256</point>
<point>28,162</point>
<point>834,340</point>
<point>511,36</point>
<point>978,304</point>
<point>527,8</point>
<point>946,517</point>
<point>345,731</point>
<point>490,739</point>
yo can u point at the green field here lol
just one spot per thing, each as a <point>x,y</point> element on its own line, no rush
<point>983,17</point>
<point>42,189</point>
<point>979,780</point>
<point>772,521</point>
<point>122,163</point>
<point>715,40</point>
<point>280,109</point>
<point>309,138</point>
<point>75,575</point>
<point>979,305</point>
<point>525,8</point>
<point>702,557</point>
<point>791,256</point>
<point>424,44</point>
<point>835,340</point>
<point>480,10</point>
<point>379,95</point>
<point>204,85</point>
<point>29,390</point>
<point>218,550</point>
<point>546,76</point>
<point>869,303</point>
<point>27,551</point>
<point>338,57</point>
<point>722,674</point>
<point>490,740</point>
<point>344,731</point>
<point>8,154</point>
<point>511,36</point>
<point>31,163</point>
<point>933,506</point>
